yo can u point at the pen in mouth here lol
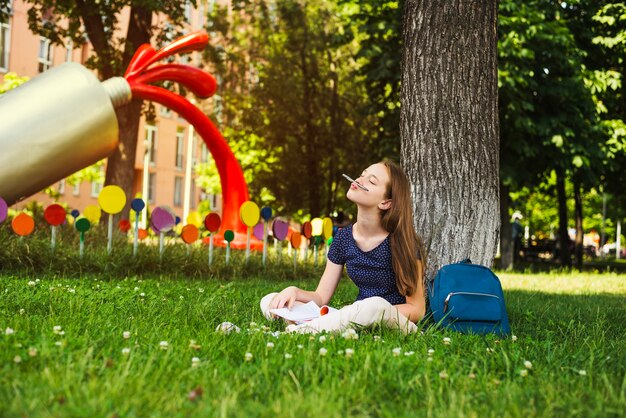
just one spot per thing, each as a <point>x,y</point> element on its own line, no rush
<point>355,182</point>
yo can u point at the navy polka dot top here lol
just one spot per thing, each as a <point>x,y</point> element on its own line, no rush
<point>371,271</point>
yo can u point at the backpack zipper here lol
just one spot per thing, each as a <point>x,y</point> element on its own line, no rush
<point>445,302</point>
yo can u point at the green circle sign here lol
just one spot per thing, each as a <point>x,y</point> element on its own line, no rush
<point>82,224</point>
<point>229,235</point>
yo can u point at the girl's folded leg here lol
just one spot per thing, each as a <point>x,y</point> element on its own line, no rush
<point>364,312</point>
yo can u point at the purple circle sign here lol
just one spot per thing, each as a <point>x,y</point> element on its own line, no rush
<point>4,210</point>
<point>280,229</point>
<point>258,230</point>
<point>162,219</point>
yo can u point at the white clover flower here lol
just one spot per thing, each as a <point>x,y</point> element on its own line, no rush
<point>71,290</point>
<point>443,375</point>
<point>181,297</point>
<point>446,340</point>
<point>195,361</point>
<point>582,372</point>
<point>58,343</point>
<point>523,372</point>
<point>32,351</point>
<point>164,345</point>
<point>125,351</point>
<point>270,345</point>
<point>136,288</point>
<point>248,357</point>
<point>409,353</point>
<point>349,352</point>
<point>513,338</point>
<point>471,376</point>
<point>126,335</point>
<point>193,345</point>
<point>429,359</point>
<point>376,337</point>
<point>227,328</point>
<point>322,339</point>
<point>201,290</point>
<point>37,280</point>
<point>300,346</point>
<point>56,329</point>
<point>22,311</point>
<point>323,351</point>
<point>490,350</point>
<point>396,351</point>
<point>253,324</point>
<point>17,359</point>
<point>431,351</point>
<point>350,334</point>
<point>142,294</point>
<point>9,331</point>
<point>340,352</point>
<point>31,283</point>
<point>528,364</point>
<point>287,355</point>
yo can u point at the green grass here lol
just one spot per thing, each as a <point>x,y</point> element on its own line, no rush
<point>564,323</point>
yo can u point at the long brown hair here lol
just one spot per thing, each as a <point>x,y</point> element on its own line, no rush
<point>407,250</point>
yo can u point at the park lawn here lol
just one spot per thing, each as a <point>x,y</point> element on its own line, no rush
<point>570,327</point>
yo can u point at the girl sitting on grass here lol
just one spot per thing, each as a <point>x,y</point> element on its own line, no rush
<point>383,256</point>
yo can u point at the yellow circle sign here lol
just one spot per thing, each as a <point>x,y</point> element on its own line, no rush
<point>249,213</point>
<point>194,219</point>
<point>317,225</point>
<point>327,228</point>
<point>92,213</point>
<point>112,199</point>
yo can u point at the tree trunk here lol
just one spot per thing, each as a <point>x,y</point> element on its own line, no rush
<point>578,215</point>
<point>506,232</point>
<point>564,253</point>
<point>449,127</point>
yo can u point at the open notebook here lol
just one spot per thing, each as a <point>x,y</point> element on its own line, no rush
<point>302,313</point>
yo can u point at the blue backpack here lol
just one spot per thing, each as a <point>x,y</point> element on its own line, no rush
<point>468,298</point>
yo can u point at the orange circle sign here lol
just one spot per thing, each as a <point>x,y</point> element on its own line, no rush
<point>189,233</point>
<point>23,224</point>
<point>296,240</point>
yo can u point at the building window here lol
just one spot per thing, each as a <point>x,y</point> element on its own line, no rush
<point>192,195</point>
<point>166,111</point>
<point>76,189</point>
<point>5,33</point>
<point>96,187</point>
<point>45,54</point>
<point>69,49</point>
<point>151,143</point>
<point>151,187</point>
<point>180,147</point>
<point>204,155</point>
<point>178,191</point>
<point>61,187</point>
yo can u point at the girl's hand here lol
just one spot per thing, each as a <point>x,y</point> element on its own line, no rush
<point>285,298</point>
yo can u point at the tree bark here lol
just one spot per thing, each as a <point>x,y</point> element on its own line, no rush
<point>449,127</point>
<point>564,253</point>
<point>506,232</point>
<point>578,216</point>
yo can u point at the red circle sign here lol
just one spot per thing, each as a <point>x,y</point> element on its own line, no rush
<point>212,222</point>
<point>54,214</point>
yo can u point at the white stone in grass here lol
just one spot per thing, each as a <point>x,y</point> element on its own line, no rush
<point>227,328</point>
<point>528,364</point>
<point>323,351</point>
<point>582,372</point>
<point>125,351</point>
<point>9,331</point>
<point>248,357</point>
<point>163,345</point>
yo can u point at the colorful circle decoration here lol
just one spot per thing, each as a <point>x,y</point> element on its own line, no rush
<point>75,213</point>
<point>229,235</point>
<point>280,229</point>
<point>212,222</point>
<point>4,210</point>
<point>54,214</point>
<point>177,219</point>
<point>259,230</point>
<point>112,199</point>
<point>307,230</point>
<point>93,213</point>
<point>318,225</point>
<point>124,225</point>
<point>296,240</point>
<point>266,213</point>
<point>190,233</point>
<point>137,205</point>
<point>327,228</point>
<point>82,224</point>
<point>142,234</point>
<point>162,219</point>
<point>23,224</point>
<point>194,219</point>
<point>249,213</point>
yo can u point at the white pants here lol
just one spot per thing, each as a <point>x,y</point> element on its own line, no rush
<point>364,312</point>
